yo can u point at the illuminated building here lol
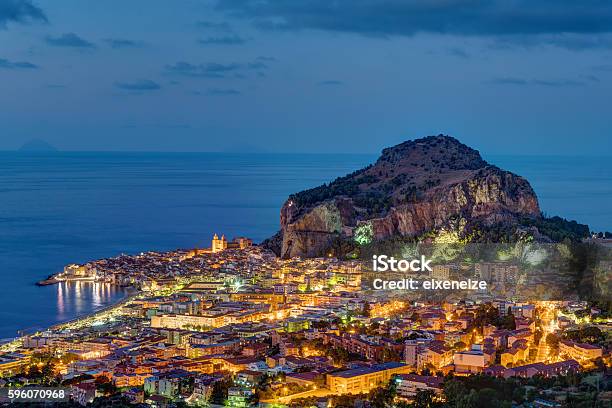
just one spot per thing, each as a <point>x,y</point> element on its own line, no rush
<point>129,380</point>
<point>362,380</point>
<point>239,397</point>
<point>248,378</point>
<point>440,272</point>
<point>516,335</point>
<point>539,369</point>
<point>167,384</point>
<point>12,364</point>
<point>518,352</point>
<point>203,350</point>
<point>580,351</point>
<point>293,325</point>
<point>173,321</point>
<point>413,348</point>
<point>218,245</point>
<point>472,361</point>
<point>408,385</point>
<point>221,244</point>
<point>436,355</point>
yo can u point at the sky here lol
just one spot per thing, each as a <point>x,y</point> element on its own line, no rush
<point>317,76</point>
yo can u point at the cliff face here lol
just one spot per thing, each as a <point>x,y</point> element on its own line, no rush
<point>415,187</point>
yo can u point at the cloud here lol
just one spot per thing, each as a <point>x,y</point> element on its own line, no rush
<point>69,40</point>
<point>457,52</point>
<point>222,92</point>
<point>6,64</point>
<point>569,41</point>
<point>225,40</point>
<point>230,37</point>
<point>212,70</point>
<point>409,17</point>
<point>20,11</point>
<point>509,81</point>
<point>556,83</point>
<point>579,43</point>
<point>591,78</point>
<point>256,65</point>
<point>211,25</point>
<point>603,68</point>
<point>216,67</point>
<point>134,125</point>
<point>330,82</point>
<point>140,85</point>
<point>117,43</point>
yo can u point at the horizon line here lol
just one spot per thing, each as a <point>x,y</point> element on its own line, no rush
<point>58,151</point>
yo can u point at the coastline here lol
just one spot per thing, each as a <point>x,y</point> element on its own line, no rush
<point>55,279</point>
<point>48,281</point>
<point>185,225</point>
<point>94,314</point>
<point>131,294</point>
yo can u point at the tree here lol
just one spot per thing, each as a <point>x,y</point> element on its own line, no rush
<point>48,372</point>
<point>115,401</point>
<point>518,395</point>
<point>486,314</point>
<point>453,390</point>
<point>532,394</point>
<point>426,399</point>
<point>552,341</point>
<point>366,311</point>
<point>69,358</point>
<point>77,379</point>
<point>469,400</point>
<point>390,355</point>
<point>509,322</point>
<point>537,336</point>
<point>105,386</point>
<point>338,355</point>
<point>33,371</point>
<point>591,334</point>
<point>383,397</point>
<point>488,397</point>
<point>219,391</point>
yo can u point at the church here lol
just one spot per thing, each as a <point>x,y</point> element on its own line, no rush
<point>221,244</point>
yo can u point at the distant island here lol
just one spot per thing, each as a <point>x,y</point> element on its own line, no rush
<point>37,145</point>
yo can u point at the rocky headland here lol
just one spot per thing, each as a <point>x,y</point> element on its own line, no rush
<point>416,189</point>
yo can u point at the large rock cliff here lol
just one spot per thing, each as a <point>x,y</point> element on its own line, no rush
<point>414,188</point>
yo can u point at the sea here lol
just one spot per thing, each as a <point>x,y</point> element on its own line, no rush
<point>72,207</point>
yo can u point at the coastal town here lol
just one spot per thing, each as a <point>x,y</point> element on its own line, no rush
<point>234,325</point>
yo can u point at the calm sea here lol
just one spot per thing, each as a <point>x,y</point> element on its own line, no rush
<point>62,208</point>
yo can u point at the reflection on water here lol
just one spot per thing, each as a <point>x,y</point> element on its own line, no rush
<point>79,298</point>
<point>76,207</point>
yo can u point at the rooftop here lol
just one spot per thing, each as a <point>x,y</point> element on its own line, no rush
<point>368,370</point>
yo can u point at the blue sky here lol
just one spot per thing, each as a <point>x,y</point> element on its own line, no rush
<point>530,77</point>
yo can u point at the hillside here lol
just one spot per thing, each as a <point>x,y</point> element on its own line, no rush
<point>418,187</point>
<point>37,146</point>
